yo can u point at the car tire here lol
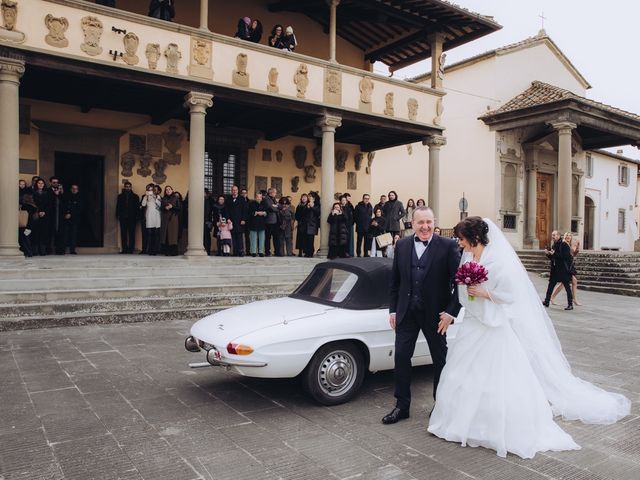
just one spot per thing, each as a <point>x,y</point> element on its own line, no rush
<point>335,373</point>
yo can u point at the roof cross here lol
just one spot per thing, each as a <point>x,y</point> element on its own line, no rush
<point>542,19</point>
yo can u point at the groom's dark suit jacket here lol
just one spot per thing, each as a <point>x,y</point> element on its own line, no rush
<point>439,293</point>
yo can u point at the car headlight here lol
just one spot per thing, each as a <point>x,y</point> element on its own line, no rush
<point>239,349</point>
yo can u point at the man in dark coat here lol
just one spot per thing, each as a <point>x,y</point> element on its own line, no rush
<point>423,297</point>
<point>362,217</point>
<point>57,225</point>
<point>236,210</point>
<point>73,217</point>
<point>162,9</point>
<point>348,209</point>
<point>560,258</point>
<point>127,212</point>
<point>273,225</point>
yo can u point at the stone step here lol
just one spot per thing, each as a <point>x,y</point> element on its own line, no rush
<point>630,292</point>
<point>613,283</point>
<point>168,279</point>
<point>123,316</point>
<point>176,303</point>
<point>87,294</point>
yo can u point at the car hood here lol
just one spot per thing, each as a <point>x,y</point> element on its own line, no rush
<point>227,325</point>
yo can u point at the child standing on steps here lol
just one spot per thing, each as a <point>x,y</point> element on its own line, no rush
<point>224,236</point>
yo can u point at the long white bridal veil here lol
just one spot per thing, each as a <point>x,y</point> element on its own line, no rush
<point>569,396</point>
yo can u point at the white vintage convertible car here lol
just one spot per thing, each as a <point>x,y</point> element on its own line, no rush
<point>329,331</point>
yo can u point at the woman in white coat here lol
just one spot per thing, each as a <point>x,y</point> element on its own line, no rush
<point>151,203</point>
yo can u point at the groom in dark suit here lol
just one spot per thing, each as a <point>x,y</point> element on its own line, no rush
<point>423,297</point>
<point>560,258</point>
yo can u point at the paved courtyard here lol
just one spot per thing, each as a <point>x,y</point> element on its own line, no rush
<point>119,402</point>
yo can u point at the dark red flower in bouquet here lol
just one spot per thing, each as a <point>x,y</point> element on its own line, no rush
<point>471,273</point>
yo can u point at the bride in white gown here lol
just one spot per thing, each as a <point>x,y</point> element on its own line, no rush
<point>506,376</point>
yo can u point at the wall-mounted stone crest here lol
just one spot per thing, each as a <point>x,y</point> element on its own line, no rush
<point>276,182</point>
<point>261,183</point>
<point>145,162</point>
<point>366,89</point>
<point>352,181</point>
<point>127,162</point>
<point>154,144</point>
<point>300,155</point>
<point>332,87</point>
<point>358,160</point>
<point>317,156</point>
<point>160,166</point>
<point>266,154</point>
<point>272,86</point>
<point>370,157</point>
<point>439,110</point>
<point>173,141</point>
<point>412,109</point>
<point>173,55</point>
<point>131,43</point>
<point>279,156</point>
<point>57,27</point>
<point>341,160</point>
<point>137,144</point>
<point>301,80</point>
<point>92,31</point>
<point>240,76</point>
<point>200,63</point>
<point>9,32</point>
<point>388,104</point>
<point>295,182</point>
<point>410,149</point>
<point>152,52</point>
<point>309,174</point>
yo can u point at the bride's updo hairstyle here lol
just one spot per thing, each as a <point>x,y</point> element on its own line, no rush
<point>473,229</point>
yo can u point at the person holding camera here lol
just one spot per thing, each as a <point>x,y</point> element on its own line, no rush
<point>151,204</point>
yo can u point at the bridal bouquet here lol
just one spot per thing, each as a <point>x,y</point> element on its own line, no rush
<point>471,273</point>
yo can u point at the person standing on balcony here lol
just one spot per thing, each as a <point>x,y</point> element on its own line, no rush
<point>255,31</point>
<point>162,9</point>
<point>275,39</point>
<point>289,41</point>
<point>244,29</point>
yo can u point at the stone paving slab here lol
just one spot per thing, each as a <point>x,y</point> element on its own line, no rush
<point>119,402</point>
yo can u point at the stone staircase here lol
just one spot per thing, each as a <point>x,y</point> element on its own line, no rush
<point>606,272</point>
<point>64,291</point>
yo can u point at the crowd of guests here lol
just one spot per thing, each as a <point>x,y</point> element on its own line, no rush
<point>281,37</point>
<point>49,217</point>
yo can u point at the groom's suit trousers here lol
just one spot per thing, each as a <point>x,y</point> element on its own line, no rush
<point>406,336</point>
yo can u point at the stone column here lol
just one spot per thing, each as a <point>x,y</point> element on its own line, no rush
<point>10,72</point>
<point>564,174</point>
<point>328,125</point>
<point>197,103</point>
<point>434,142</point>
<point>333,5</point>
<point>435,41</point>
<point>204,15</point>
<point>580,209</point>
<point>532,205</point>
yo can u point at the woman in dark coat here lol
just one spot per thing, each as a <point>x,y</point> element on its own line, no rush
<point>300,229</point>
<point>377,226</point>
<point>393,211</point>
<point>338,233</point>
<point>170,226</point>
<point>255,31</point>
<point>275,39</point>
<point>286,216</point>
<point>25,234</point>
<point>42,225</point>
<point>244,29</point>
<point>311,222</point>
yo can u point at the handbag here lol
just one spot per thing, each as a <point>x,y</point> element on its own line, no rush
<point>23,218</point>
<point>384,240</point>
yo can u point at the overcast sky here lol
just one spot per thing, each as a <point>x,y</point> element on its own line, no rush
<point>601,38</point>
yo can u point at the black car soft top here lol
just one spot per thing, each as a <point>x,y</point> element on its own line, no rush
<point>371,291</point>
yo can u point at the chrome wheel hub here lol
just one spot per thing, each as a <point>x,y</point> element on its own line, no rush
<point>337,373</point>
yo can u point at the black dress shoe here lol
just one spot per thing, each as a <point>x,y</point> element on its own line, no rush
<point>395,416</point>
<point>546,304</point>
<point>570,307</point>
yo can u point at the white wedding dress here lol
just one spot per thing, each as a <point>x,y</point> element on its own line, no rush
<point>506,375</point>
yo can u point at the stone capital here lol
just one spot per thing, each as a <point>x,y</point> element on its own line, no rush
<point>11,69</point>
<point>198,102</point>
<point>329,123</point>
<point>436,141</point>
<point>563,126</point>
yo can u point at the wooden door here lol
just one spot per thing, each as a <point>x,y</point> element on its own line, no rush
<point>544,215</point>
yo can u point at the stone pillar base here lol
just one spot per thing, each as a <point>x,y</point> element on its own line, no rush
<point>10,252</point>
<point>199,252</point>
<point>532,243</point>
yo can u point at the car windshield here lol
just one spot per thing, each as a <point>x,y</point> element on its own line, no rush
<point>328,284</point>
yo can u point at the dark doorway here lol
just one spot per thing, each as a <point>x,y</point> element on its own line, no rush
<point>86,171</point>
